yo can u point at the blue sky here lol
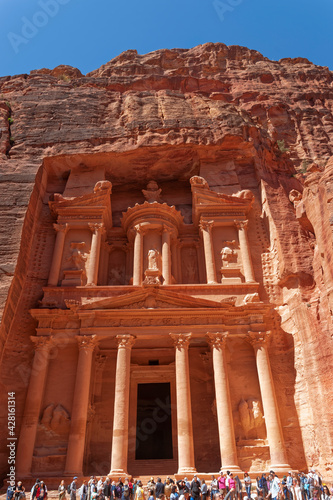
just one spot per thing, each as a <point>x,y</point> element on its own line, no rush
<point>88,33</point>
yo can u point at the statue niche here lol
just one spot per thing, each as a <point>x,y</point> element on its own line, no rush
<point>252,419</point>
<point>75,274</point>
<point>117,266</point>
<point>153,275</point>
<point>189,265</point>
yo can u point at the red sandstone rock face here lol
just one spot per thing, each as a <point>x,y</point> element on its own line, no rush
<point>226,113</point>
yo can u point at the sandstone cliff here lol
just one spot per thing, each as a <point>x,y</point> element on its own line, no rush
<point>226,113</point>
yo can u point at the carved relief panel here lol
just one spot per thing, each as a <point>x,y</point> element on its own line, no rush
<point>117,267</point>
<point>189,265</point>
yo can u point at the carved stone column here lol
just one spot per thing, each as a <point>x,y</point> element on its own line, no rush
<point>166,256</point>
<point>175,256</point>
<point>138,255</point>
<point>271,413</point>
<point>186,464</point>
<point>57,253</point>
<point>95,251</point>
<point>33,404</point>
<point>206,228</point>
<point>245,251</point>
<point>77,434</point>
<point>228,448</point>
<point>119,451</point>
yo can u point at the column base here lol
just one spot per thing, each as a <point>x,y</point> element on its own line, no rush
<point>116,473</point>
<point>231,468</point>
<point>187,471</point>
<point>282,468</point>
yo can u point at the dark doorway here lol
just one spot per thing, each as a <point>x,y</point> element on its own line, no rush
<point>153,424</point>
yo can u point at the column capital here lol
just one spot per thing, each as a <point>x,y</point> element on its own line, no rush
<point>42,343</point>
<point>241,224</point>
<point>87,342</point>
<point>139,228</point>
<point>96,227</point>
<point>125,341</point>
<point>61,228</point>
<point>181,340</point>
<point>217,340</point>
<point>257,339</point>
<point>206,225</point>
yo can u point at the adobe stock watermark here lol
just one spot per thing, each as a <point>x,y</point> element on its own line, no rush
<point>30,27</point>
<point>222,7</point>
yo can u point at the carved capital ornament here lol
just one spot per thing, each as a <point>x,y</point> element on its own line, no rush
<point>257,339</point>
<point>42,343</point>
<point>125,341</point>
<point>241,224</point>
<point>181,340</point>
<point>218,340</point>
<point>87,342</point>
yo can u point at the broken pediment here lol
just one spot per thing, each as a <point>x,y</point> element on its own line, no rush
<point>154,298</point>
<point>206,202</point>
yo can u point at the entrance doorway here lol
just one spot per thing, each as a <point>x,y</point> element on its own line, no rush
<point>153,425</point>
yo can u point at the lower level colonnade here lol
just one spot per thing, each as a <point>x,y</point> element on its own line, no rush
<point>120,436</point>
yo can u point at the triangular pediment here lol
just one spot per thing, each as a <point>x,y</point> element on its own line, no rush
<point>150,298</point>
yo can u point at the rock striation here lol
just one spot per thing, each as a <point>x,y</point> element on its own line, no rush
<point>227,114</point>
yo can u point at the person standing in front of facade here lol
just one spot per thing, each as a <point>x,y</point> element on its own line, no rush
<point>204,490</point>
<point>221,481</point>
<point>275,486</point>
<point>167,488</point>
<point>62,490</point>
<point>73,488</point>
<point>214,487</point>
<point>232,487</point>
<point>83,491</point>
<point>195,488</point>
<point>139,493</point>
<point>248,483</point>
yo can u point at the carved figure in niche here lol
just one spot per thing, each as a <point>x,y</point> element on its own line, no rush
<point>228,254</point>
<point>198,181</point>
<point>56,419</point>
<point>152,193</point>
<point>116,276</point>
<point>252,419</point>
<point>153,256</point>
<point>77,257</point>
<point>152,273</point>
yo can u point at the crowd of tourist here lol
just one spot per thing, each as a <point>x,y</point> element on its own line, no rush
<point>294,486</point>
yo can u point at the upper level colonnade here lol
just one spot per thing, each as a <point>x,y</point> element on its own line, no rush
<point>153,245</point>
